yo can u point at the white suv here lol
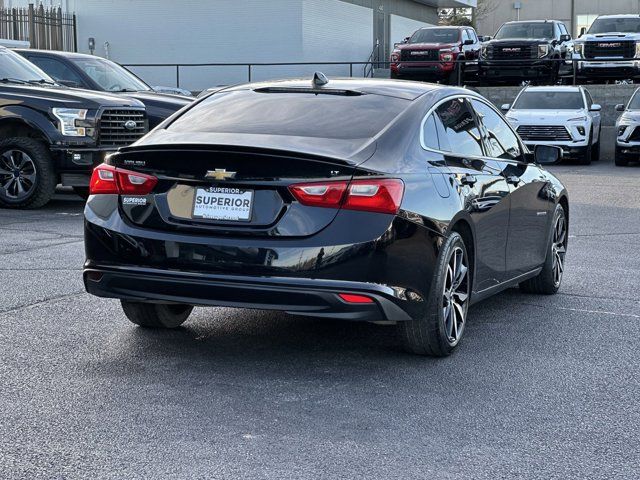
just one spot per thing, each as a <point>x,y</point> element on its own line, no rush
<point>562,116</point>
<point>628,129</point>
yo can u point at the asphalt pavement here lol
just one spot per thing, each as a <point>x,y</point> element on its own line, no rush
<point>541,387</point>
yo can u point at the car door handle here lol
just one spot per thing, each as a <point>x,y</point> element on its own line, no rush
<point>513,180</point>
<point>468,179</point>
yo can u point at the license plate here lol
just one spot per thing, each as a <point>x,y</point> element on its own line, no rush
<point>229,204</point>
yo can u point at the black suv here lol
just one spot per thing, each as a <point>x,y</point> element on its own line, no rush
<point>80,70</point>
<point>525,51</point>
<point>51,134</point>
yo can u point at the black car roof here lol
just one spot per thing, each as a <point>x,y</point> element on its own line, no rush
<point>56,53</point>
<point>391,88</point>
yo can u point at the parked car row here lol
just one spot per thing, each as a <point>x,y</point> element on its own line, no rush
<point>52,134</point>
<point>538,52</point>
<point>567,117</point>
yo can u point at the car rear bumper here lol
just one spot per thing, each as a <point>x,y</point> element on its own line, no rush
<point>298,296</point>
<point>392,263</point>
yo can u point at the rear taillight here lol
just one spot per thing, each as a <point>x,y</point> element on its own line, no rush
<point>375,195</point>
<point>109,179</point>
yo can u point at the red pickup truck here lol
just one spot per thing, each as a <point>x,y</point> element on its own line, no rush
<point>431,54</point>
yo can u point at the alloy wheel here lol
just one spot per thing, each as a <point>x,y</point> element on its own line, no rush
<point>559,249</point>
<point>17,174</point>
<point>455,297</point>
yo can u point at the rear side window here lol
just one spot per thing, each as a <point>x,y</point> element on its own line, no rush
<point>460,128</point>
<point>293,114</point>
<point>499,138</point>
<point>430,134</point>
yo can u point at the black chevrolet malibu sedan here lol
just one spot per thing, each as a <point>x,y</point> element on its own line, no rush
<point>374,200</point>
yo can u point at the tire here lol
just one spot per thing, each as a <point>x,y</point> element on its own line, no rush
<point>588,154</point>
<point>434,334</point>
<point>548,281</point>
<point>452,80</point>
<point>82,192</point>
<point>620,160</point>
<point>37,180</point>
<point>155,315</point>
<point>595,152</point>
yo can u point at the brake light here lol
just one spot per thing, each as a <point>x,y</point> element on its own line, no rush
<point>107,179</point>
<point>375,195</point>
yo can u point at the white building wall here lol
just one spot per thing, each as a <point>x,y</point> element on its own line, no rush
<point>402,27</point>
<point>228,31</point>
<point>336,31</point>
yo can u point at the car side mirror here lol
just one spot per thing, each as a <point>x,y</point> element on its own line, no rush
<point>565,38</point>
<point>505,107</point>
<point>468,41</point>
<point>547,154</point>
<point>485,38</point>
<point>595,108</point>
<point>69,83</point>
<point>620,107</point>
<point>583,30</point>
<point>406,40</point>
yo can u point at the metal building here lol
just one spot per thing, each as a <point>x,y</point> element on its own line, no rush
<point>575,13</point>
<point>245,31</point>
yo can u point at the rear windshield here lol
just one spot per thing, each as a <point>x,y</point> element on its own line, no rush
<point>295,114</point>
<point>549,101</point>
<point>614,25</point>
<point>525,30</point>
<point>435,35</point>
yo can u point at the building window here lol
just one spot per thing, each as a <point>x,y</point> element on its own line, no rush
<point>584,21</point>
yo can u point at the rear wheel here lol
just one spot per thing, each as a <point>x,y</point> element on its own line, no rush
<point>27,175</point>
<point>440,330</point>
<point>154,315</point>
<point>548,281</point>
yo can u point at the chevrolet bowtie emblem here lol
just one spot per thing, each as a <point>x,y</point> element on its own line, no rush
<point>220,174</point>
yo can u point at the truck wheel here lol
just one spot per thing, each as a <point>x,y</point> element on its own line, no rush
<point>155,315</point>
<point>27,175</point>
<point>458,70</point>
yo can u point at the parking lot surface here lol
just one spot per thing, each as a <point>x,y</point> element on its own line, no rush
<point>541,387</point>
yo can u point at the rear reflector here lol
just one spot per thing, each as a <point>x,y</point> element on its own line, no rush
<point>375,195</point>
<point>107,179</point>
<point>351,298</point>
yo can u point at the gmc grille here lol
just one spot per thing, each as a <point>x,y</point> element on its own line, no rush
<point>512,52</point>
<point>534,133</point>
<point>420,55</point>
<point>112,131</point>
<point>610,49</point>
